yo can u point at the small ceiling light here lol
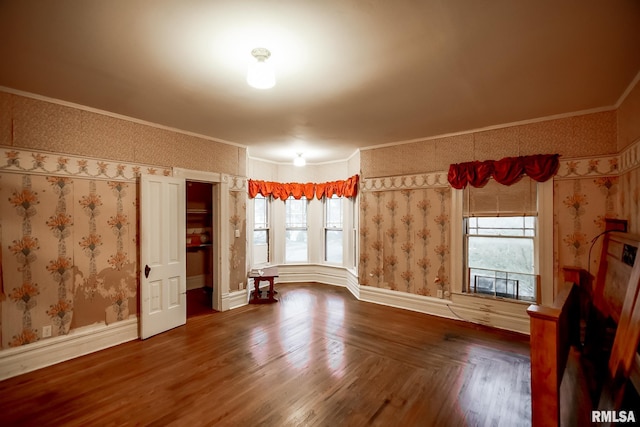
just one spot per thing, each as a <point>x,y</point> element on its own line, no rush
<point>299,161</point>
<point>260,74</point>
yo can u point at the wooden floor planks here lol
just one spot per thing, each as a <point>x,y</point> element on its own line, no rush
<point>318,357</point>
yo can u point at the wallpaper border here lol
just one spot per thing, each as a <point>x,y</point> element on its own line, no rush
<point>425,180</point>
<point>570,168</point>
<point>49,163</point>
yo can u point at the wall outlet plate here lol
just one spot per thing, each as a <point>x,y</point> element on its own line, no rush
<point>439,293</point>
<point>46,331</point>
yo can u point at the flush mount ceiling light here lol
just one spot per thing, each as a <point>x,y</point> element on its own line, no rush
<point>260,74</point>
<point>299,161</point>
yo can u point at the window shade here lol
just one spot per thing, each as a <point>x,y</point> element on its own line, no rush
<point>495,199</point>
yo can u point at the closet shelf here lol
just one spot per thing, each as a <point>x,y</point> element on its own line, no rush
<point>202,245</point>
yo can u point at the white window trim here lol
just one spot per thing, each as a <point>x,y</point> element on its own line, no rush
<point>543,242</point>
<point>325,205</point>
<point>307,229</point>
<point>253,228</point>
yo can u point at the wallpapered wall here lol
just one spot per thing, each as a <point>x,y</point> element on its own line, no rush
<point>68,229</point>
<point>404,239</point>
<point>237,221</point>
<point>406,224</point>
<point>578,136</point>
<point>628,130</point>
<point>69,240</point>
<point>68,220</point>
<point>596,180</point>
<point>586,191</point>
<point>41,125</point>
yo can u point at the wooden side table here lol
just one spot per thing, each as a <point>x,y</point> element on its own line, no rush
<point>268,275</point>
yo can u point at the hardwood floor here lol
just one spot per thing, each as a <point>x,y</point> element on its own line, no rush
<point>318,357</point>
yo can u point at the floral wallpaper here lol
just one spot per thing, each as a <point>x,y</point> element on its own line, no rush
<point>629,194</point>
<point>69,243</point>
<point>405,221</point>
<point>629,184</point>
<point>237,245</point>
<point>586,191</point>
<point>404,234</point>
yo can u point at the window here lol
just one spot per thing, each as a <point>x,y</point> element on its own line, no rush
<point>333,230</point>
<point>500,256</point>
<point>295,248</point>
<point>260,230</point>
<point>500,229</point>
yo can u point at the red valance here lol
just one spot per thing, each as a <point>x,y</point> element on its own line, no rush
<point>346,188</point>
<point>507,171</point>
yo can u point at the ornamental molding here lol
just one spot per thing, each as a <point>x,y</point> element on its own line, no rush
<point>406,182</point>
<point>236,183</point>
<point>630,157</point>
<point>597,166</point>
<point>46,163</point>
<point>583,167</point>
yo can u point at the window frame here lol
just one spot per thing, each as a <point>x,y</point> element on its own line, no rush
<point>543,248</point>
<point>528,233</point>
<point>296,227</point>
<point>327,227</point>
<point>262,227</point>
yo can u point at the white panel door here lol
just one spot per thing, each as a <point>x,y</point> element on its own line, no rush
<point>163,304</point>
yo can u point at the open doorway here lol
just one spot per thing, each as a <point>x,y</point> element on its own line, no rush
<point>200,247</point>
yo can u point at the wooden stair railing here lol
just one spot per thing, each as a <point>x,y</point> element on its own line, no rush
<point>610,307</point>
<point>553,330</point>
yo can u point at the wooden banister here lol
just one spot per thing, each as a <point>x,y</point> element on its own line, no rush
<point>553,330</point>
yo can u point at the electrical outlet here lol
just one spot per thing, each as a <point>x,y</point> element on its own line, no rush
<point>46,331</point>
<point>237,233</point>
<point>439,293</point>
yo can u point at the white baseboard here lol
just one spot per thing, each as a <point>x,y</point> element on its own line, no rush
<point>352,283</point>
<point>501,314</point>
<point>413,302</point>
<point>81,341</point>
<point>508,315</point>
<point>237,299</point>
<point>327,274</point>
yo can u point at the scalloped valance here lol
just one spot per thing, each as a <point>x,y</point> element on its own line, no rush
<point>507,171</point>
<point>342,188</point>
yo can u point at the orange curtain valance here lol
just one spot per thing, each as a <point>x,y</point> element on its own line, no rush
<point>342,188</point>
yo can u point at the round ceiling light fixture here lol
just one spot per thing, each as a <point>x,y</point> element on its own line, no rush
<point>299,161</point>
<point>260,74</point>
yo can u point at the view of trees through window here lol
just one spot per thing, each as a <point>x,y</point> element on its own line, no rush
<point>500,256</point>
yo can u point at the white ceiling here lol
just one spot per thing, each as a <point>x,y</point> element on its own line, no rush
<point>350,73</point>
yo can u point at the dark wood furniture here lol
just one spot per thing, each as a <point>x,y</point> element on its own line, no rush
<point>553,330</point>
<point>267,275</point>
<point>601,367</point>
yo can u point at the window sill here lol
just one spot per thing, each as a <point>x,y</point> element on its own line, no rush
<point>492,298</point>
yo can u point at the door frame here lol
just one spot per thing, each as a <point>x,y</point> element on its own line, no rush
<point>220,238</point>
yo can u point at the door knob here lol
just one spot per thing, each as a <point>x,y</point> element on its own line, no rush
<point>147,270</point>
